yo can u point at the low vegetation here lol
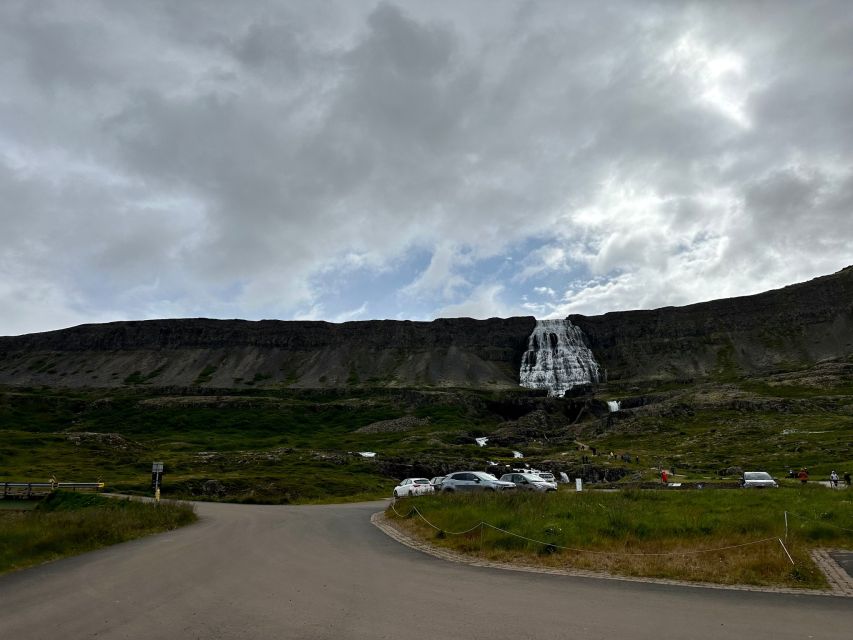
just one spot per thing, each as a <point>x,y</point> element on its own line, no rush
<point>621,532</point>
<point>66,524</point>
<point>283,445</point>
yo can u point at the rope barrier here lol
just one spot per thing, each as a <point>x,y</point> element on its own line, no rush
<point>415,510</point>
<point>422,517</point>
<point>828,524</point>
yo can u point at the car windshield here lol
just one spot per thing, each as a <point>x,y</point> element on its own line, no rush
<point>532,478</point>
<point>485,476</point>
<point>757,475</point>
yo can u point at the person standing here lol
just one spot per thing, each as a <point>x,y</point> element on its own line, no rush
<point>803,475</point>
<point>833,479</point>
<point>663,476</point>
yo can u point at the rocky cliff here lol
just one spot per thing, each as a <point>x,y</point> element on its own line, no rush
<point>237,353</point>
<point>785,328</point>
<point>798,325</point>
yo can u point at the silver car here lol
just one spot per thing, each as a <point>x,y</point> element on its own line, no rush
<point>436,483</point>
<point>529,482</point>
<point>758,480</point>
<point>473,481</point>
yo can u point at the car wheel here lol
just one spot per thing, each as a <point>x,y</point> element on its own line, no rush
<point>447,490</point>
<point>490,489</point>
<point>396,495</point>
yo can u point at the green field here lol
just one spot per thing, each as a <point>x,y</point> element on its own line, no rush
<point>280,445</point>
<point>620,532</point>
<point>66,524</point>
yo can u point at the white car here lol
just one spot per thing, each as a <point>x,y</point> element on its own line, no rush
<point>529,482</point>
<point>758,480</point>
<point>413,487</point>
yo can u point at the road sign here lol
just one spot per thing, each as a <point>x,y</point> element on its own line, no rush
<point>157,479</point>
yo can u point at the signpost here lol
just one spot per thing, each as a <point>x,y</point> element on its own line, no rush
<point>157,479</point>
<point>578,484</point>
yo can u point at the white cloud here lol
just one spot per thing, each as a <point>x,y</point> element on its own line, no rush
<point>484,302</point>
<point>439,276</point>
<point>351,314</point>
<point>273,160</point>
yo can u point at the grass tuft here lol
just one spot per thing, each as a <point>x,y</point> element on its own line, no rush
<point>66,524</point>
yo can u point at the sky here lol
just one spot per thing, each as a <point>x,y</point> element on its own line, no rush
<point>360,160</point>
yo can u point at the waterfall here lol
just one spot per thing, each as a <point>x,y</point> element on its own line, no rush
<point>613,405</point>
<point>557,358</point>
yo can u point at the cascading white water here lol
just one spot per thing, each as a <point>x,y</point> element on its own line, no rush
<point>557,358</point>
<point>614,405</point>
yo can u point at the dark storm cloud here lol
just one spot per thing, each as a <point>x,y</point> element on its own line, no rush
<point>249,159</point>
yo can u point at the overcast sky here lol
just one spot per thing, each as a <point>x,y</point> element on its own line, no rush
<point>358,160</point>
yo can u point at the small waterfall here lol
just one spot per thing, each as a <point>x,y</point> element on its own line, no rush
<point>557,358</point>
<point>614,405</point>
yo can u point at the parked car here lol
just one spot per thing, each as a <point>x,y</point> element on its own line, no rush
<point>436,483</point>
<point>758,480</point>
<point>529,482</point>
<point>473,481</point>
<point>413,487</point>
<point>547,477</point>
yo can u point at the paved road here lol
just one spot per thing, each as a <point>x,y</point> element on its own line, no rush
<point>325,572</point>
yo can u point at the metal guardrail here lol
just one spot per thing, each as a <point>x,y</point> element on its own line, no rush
<point>35,489</point>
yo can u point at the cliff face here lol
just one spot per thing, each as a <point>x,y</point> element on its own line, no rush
<point>235,353</point>
<point>797,325</point>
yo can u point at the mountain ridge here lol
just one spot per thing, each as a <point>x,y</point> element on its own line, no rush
<point>797,324</point>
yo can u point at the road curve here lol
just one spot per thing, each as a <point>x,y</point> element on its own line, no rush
<point>325,572</point>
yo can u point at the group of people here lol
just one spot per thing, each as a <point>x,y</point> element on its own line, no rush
<point>803,476</point>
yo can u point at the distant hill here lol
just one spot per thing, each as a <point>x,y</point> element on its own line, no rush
<point>786,328</point>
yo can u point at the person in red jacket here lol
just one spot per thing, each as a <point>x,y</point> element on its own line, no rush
<point>803,475</point>
<point>663,476</point>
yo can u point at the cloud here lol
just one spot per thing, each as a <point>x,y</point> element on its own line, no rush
<point>484,302</point>
<point>272,160</point>
<point>440,275</point>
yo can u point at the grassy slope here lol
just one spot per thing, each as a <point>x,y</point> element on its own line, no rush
<point>633,522</point>
<point>290,446</point>
<point>292,449</point>
<point>66,524</point>
<point>803,421</point>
